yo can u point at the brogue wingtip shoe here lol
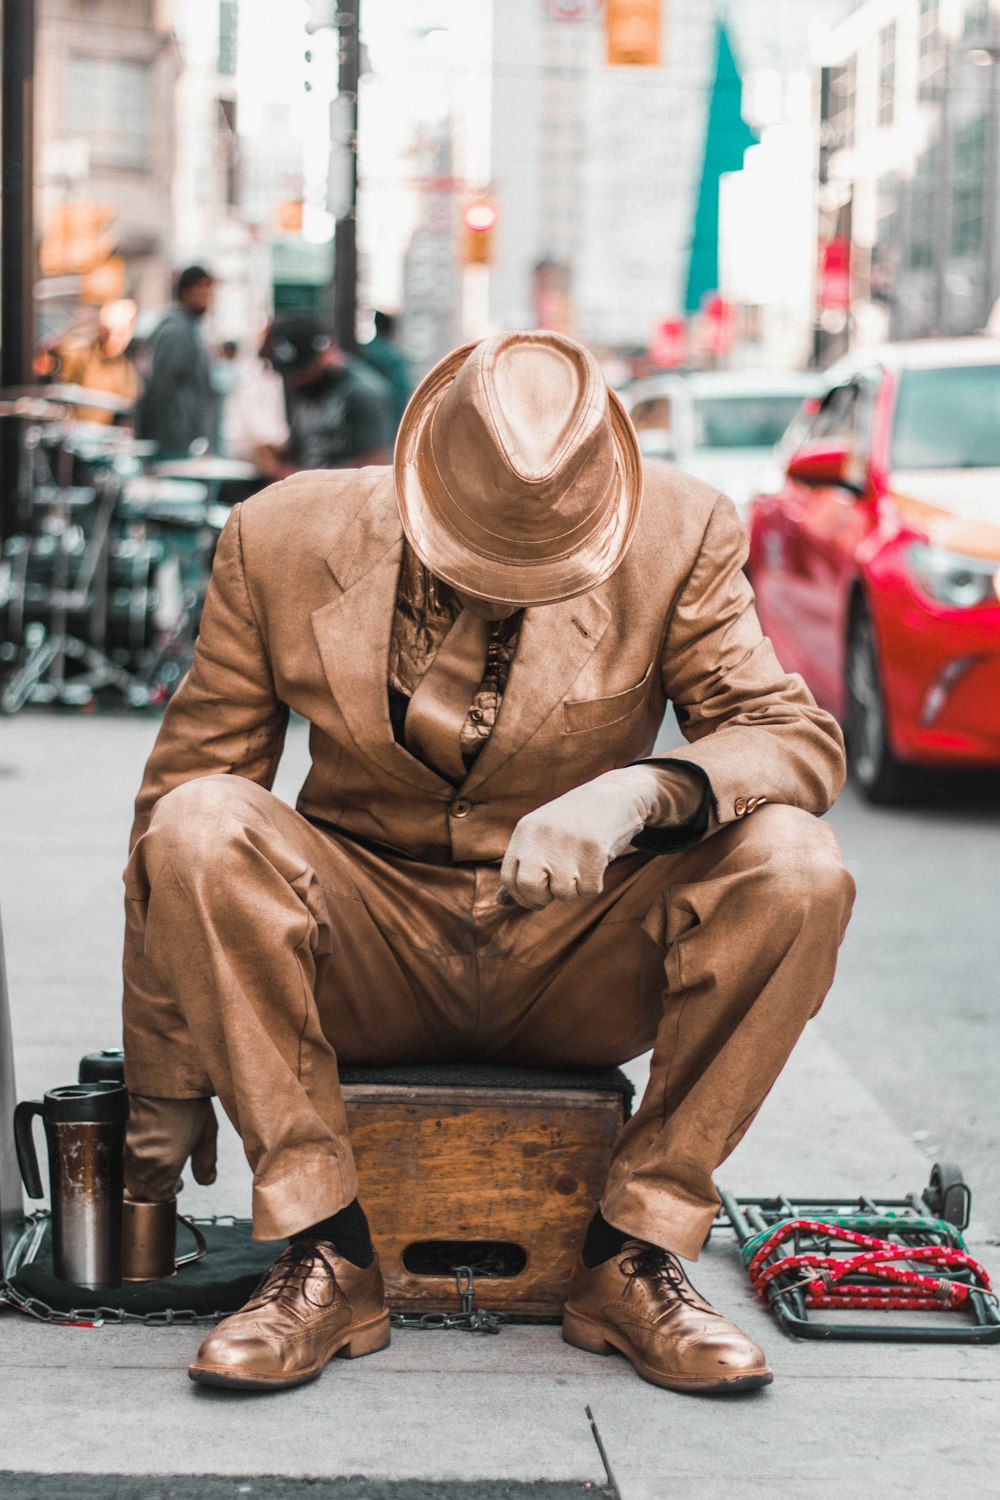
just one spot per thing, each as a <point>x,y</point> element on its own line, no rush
<point>641,1304</point>
<point>311,1307</point>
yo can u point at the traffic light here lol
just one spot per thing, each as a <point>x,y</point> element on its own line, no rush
<point>288,216</point>
<point>633,30</point>
<point>479,222</point>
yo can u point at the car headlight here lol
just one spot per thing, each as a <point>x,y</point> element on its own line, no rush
<point>951,578</point>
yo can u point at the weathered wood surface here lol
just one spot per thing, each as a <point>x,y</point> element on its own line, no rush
<point>521,1166</point>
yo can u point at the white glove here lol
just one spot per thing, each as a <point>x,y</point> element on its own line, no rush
<point>562,849</point>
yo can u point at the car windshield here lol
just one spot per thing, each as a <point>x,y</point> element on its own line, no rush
<point>756,421</point>
<point>948,419</point>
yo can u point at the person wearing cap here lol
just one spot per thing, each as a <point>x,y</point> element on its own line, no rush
<point>487,861</point>
<point>177,406</point>
<point>338,408</point>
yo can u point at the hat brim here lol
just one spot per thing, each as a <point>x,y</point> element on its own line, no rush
<point>523,583</point>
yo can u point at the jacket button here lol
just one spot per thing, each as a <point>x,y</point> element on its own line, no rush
<point>740,806</point>
<point>461,808</point>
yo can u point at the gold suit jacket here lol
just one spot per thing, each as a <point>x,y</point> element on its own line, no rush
<point>299,614</point>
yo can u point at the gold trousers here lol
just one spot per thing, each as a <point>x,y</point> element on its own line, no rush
<point>261,949</point>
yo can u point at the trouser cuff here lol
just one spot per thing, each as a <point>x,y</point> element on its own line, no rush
<point>309,1190</point>
<point>673,1220</point>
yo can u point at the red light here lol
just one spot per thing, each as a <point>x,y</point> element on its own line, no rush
<point>480,217</point>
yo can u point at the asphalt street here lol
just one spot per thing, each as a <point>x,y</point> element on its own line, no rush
<point>915,1012</point>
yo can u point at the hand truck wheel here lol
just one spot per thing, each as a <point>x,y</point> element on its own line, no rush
<point>948,1195</point>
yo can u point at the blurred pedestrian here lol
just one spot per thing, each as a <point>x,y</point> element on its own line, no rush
<point>384,355</point>
<point>254,424</point>
<point>338,408</point>
<point>177,408</point>
<point>226,377</point>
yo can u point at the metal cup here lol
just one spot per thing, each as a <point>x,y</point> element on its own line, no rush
<point>85,1135</point>
<point>149,1240</point>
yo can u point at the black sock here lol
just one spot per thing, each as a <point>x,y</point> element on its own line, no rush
<point>348,1231</point>
<point>602,1241</point>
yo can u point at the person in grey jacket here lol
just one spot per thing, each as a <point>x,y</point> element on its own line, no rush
<point>177,406</point>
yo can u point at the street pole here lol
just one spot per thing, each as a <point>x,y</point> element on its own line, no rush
<point>17,247</point>
<point>345,247</point>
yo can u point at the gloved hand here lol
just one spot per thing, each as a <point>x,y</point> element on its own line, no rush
<point>160,1136</point>
<point>561,850</point>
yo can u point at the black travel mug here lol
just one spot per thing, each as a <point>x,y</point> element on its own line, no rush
<point>85,1134</point>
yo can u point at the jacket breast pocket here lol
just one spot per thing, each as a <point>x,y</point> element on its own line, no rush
<point>599,713</point>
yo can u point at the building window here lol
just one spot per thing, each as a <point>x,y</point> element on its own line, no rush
<point>970,167</point>
<point>841,117</point>
<point>228,36</point>
<point>977,20</point>
<point>107,104</point>
<point>887,75</point>
<point>922,216</point>
<point>930,60</point>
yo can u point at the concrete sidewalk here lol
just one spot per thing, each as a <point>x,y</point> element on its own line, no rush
<point>438,1413</point>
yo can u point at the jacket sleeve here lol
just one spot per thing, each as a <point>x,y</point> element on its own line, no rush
<point>224,716</point>
<point>753,729</point>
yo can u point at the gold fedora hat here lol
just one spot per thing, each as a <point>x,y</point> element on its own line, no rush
<point>517,471</point>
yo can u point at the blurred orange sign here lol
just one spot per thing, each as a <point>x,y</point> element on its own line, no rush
<point>289,216</point>
<point>76,239</point>
<point>633,31</point>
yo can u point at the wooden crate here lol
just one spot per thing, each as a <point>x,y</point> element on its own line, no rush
<point>520,1166</point>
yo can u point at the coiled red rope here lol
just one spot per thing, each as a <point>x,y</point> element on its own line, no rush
<point>825,1280</point>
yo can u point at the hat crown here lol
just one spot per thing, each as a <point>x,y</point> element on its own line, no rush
<point>518,475</point>
<point>521,440</point>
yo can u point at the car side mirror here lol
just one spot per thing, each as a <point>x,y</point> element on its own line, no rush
<point>826,463</point>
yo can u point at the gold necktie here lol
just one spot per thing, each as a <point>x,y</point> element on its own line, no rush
<point>440,703</point>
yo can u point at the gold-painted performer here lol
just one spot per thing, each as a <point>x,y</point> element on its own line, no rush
<point>486,861</point>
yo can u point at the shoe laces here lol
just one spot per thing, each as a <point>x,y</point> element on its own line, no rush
<point>291,1273</point>
<point>662,1267</point>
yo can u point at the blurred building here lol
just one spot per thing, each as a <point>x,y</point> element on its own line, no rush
<point>432,289</point>
<point>598,172</point>
<point>909,225</point>
<point>209,225</point>
<point>595,168</point>
<point>136,151</point>
<point>106,75</point>
<point>767,230</point>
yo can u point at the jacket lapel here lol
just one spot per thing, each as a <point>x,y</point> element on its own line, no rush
<point>352,634</point>
<point>554,645</point>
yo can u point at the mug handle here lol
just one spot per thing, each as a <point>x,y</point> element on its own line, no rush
<point>27,1158</point>
<point>200,1246</point>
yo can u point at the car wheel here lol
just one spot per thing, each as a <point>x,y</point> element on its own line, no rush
<point>876,772</point>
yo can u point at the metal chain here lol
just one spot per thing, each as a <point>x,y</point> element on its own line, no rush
<point>475,1320</point>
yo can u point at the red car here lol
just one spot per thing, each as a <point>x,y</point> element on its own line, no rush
<point>877,562</point>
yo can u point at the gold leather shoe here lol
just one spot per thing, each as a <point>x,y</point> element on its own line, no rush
<point>312,1304</point>
<point>641,1303</point>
